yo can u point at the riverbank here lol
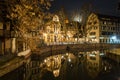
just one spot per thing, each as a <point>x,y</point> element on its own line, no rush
<point>80,47</point>
<point>115,51</point>
<point>10,64</point>
<point>114,54</point>
<point>13,62</point>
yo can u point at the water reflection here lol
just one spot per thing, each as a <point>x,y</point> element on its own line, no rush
<point>92,65</point>
<point>53,64</point>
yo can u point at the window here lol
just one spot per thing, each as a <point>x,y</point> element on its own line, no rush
<point>95,22</point>
<point>61,28</point>
<point>7,26</point>
<point>95,27</point>
<point>89,23</point>
<point>92,33</point>
<point>93,58</point>
<point>113,28</point>
<point>104,27</point>
<point>1,32</point>
<point>104,33</point>
<point>1,25</point>
<point>104,22</point>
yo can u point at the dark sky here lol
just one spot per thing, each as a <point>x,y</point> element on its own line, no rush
<point>101,6</point>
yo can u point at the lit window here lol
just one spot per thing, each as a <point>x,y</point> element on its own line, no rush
<point>95,22</point>
<point>104,22</point>
<point>95,27</point>
<point>89,23</point>
<point>92,33</point>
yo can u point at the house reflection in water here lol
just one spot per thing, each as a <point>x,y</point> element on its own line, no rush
<point>53,64</point>
<point>82,65</point>
<point>93,63</point>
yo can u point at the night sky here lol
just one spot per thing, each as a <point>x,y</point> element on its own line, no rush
<point>101,6</point>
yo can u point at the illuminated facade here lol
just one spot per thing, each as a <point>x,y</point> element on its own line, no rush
<point>55,33</point>
<point>72,30</point>
<point>52,33</point>
<point>103,28</point>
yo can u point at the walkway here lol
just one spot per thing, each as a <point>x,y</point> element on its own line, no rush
<point>80,47</point>
<point>6,58</point>
<point>9,63</point>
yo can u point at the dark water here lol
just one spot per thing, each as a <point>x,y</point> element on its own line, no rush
<point>93,65</point>
<point>17,74</point>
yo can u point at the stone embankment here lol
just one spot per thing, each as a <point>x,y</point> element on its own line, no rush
<point>114,54</point>
<point>14,63</point>
<point>80,47</point>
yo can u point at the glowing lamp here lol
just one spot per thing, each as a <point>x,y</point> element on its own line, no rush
<point>113,37</point>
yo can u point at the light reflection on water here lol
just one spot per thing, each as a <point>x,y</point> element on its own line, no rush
<point>82,66</point>
<point>89,65</point>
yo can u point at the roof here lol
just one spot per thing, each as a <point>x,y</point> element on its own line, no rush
<point>107,17</point>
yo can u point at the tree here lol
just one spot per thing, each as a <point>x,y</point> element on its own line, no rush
<point>63,21</point>
<point>62,17</point>
<point>81,16</point>
<point>85,11</point>
<point>28,16</point>
<point>76,17</point>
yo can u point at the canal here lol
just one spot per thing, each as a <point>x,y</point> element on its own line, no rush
<point>87,65</point>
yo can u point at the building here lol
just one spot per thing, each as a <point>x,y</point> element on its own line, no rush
<point>5,38</point>
<point>72,31</point>
<point>7,41</point>
<point>56,33</point>
<point>103,28</point>
<point>52,31</point>
<point>5,34</point>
